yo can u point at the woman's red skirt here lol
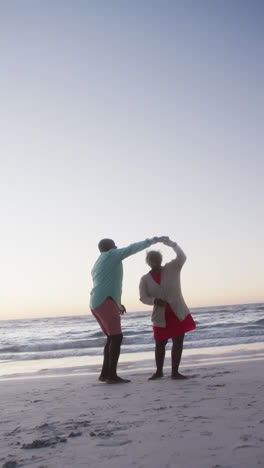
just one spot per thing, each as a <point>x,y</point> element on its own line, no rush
<point>174,327</point>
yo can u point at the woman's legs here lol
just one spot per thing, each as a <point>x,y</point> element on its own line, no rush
<point>176,353</point>
<point>160,350</point>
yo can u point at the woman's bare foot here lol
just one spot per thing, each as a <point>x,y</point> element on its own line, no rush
<point>117,380</point>
<point>178,376</point>
<point>157,375</point>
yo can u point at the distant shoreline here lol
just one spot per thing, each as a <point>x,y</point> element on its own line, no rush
<point>135,362</point>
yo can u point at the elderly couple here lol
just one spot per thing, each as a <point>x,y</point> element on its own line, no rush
<point>160,287</point>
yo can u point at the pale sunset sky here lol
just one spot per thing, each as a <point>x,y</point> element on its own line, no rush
<point>130,119</point>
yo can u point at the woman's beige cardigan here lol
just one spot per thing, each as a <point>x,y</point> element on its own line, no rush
<point>169,290</point>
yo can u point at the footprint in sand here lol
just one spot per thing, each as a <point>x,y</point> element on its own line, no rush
<point>15,431</point>
<point>244,446</point>
<point>245,437</point>
<point>113,443</point>
<point>10,464</point>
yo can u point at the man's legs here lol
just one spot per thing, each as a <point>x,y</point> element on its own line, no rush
<point>176,353</point>
<point>108,317</point>
<point>114,353</point>
<point>111,356</point>
<point>160,350</point>
<point>104,371</point>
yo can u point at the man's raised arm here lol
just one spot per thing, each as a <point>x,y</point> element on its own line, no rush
<point>137,247</point>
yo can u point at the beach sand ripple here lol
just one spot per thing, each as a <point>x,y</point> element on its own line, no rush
<point>213,419</point>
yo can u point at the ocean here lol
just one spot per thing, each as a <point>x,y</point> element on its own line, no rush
<point>62,337</point>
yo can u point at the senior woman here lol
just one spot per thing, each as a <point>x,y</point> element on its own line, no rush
<point>171,318</point>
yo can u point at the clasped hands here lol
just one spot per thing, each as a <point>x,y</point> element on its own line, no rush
<point>165,240</point>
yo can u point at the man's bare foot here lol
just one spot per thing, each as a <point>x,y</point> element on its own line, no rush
<point>117,380</point>
<point>178,376</point>
<point>157,375</point>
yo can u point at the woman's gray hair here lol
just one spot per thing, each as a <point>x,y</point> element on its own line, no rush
<point>152,252</point>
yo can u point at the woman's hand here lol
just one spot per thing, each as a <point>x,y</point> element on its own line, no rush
<point>159,302</point>
<point>169,243</point>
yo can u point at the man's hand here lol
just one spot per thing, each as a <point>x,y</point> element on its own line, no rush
<point>159,302</point>
<point>123,311</point>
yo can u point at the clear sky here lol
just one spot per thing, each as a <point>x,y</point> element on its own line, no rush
<point>129,119</point>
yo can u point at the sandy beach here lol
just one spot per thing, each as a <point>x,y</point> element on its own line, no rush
<point>63,417</point>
